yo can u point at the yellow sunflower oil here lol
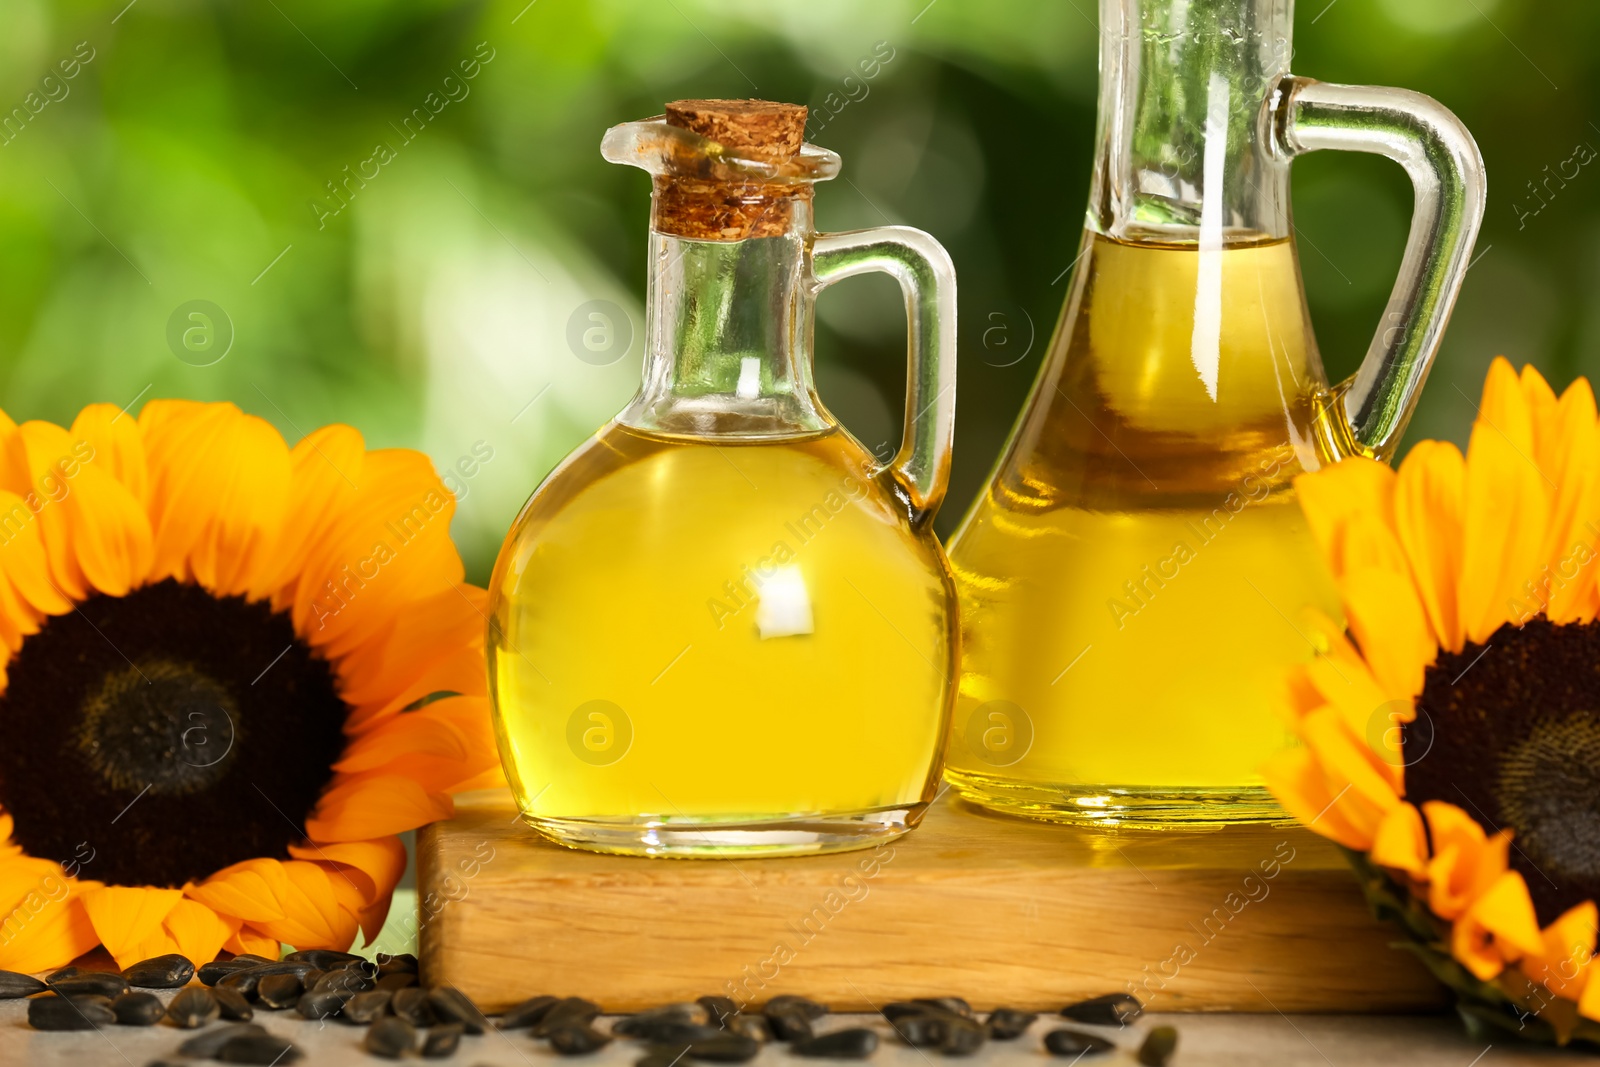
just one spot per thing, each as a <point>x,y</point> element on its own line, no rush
<point>714,633</point>
<point>1133,580</point>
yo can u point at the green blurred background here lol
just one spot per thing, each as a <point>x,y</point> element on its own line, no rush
<point>189,155</point>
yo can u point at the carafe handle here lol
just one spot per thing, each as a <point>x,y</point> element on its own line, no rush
<point>1447,173</point>
<point>928,280</point>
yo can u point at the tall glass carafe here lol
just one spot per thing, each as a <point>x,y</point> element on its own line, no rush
<point>721,626</point>
<point>1134,575</point>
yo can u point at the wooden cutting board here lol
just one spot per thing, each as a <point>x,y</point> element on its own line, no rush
<point>998,910</point>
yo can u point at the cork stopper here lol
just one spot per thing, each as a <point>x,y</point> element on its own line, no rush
<point>758,128</point>
<point>713,207</point>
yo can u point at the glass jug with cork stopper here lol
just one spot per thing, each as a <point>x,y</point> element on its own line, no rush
<point>721,626</point>
<point>1133,577</point>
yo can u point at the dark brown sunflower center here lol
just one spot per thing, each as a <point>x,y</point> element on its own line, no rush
<point>160,726</point>
<point>167,734</point>
<point>1508,732</point>
<point>1549,789</point>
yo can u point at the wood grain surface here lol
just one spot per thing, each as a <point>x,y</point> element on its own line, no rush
<point>998,910</point>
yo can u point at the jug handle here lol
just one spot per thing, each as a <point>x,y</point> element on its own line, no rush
<point>1447,174</point>
<point>928,281</point>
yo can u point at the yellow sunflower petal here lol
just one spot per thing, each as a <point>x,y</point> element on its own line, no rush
<point>240,892</point>
<point>326,467</point>
<point>1402,842</point>
<point>372,806</point>
<point>1466,861</point>
<point>1589,1000</point>
<point>198,931</point>
<point>22,558</point>
<point>249,940</point>
<point>375,866</point>
<point>446,627</point>
<point>1428,503</point>
<point>1332,496</point>
<point>1387,621</point>
<point>1296,780</point>
<point>125,917</point>
<point>391,548</point>
<point>1572,459</point>
<point>87,514</point>
<point>219,483</point>
<point>1505,405</point>
<point>1563,964</point>
<point>45,932</point>
<point>1499,928</point>
<point>1348,760</point>
<point>117,446</point>
<point>1504,522</point>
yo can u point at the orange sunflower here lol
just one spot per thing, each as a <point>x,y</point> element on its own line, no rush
<point>1451,739</point>
<point>230,673</point>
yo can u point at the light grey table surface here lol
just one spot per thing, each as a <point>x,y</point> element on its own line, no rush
<point>1204,1041</point>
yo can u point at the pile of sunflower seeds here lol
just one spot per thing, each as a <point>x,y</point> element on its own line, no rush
<point>403,1019</point>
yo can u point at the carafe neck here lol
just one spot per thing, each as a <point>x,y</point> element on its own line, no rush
<point>1184,155</point>
<point>728,336</point>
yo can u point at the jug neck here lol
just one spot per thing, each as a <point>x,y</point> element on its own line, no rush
<point>1185,155</point>
<point>728,335</point>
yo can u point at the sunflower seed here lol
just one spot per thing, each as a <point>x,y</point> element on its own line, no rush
<point>755,1027</point>
<point>324,1005</point>
<point>52,1012</point>
<point>279,991</point>
<point>922,1030</point>
<point>193,1008</point>
<point>403,963</point>
<point>390,1039</point>
<point>963,1036</point>
<point>138,1009</point>
<point>528,1013</point>
<point>577,1039</point>
<point>324,959</point>
<point>368,1007</point>
<point>685,1012</point>
<point>91,983</point>
<point>720,1047</point>
<point>788,1025</point>
<point>569,1011</point>
<point>412,1006</point>
<point>213,972</point>
<point>65,972</point>
<point>206,1045</point>
<point>809,1008</point>
<point>1159,1045</point>
<point>660,1031</point>
<point>453,1006</point>
<point>264,1049</point>
<point>350,980</point>
<point>442,1041</point>
<point>955,1005</point>
<point>720,1009</point>
<point>232,1004</point>
<point>396,980</point>
<point>171,971</point>
<point>1007,1024</point>
<point>1075,1043</point>
<point>14,985</point>
<point>245,980</point>
<point>1113,1009</point>
<point>896,1009</point>
<point>854,1044</point>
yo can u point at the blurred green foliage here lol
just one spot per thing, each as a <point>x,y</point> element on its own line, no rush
<point>189,158</point>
